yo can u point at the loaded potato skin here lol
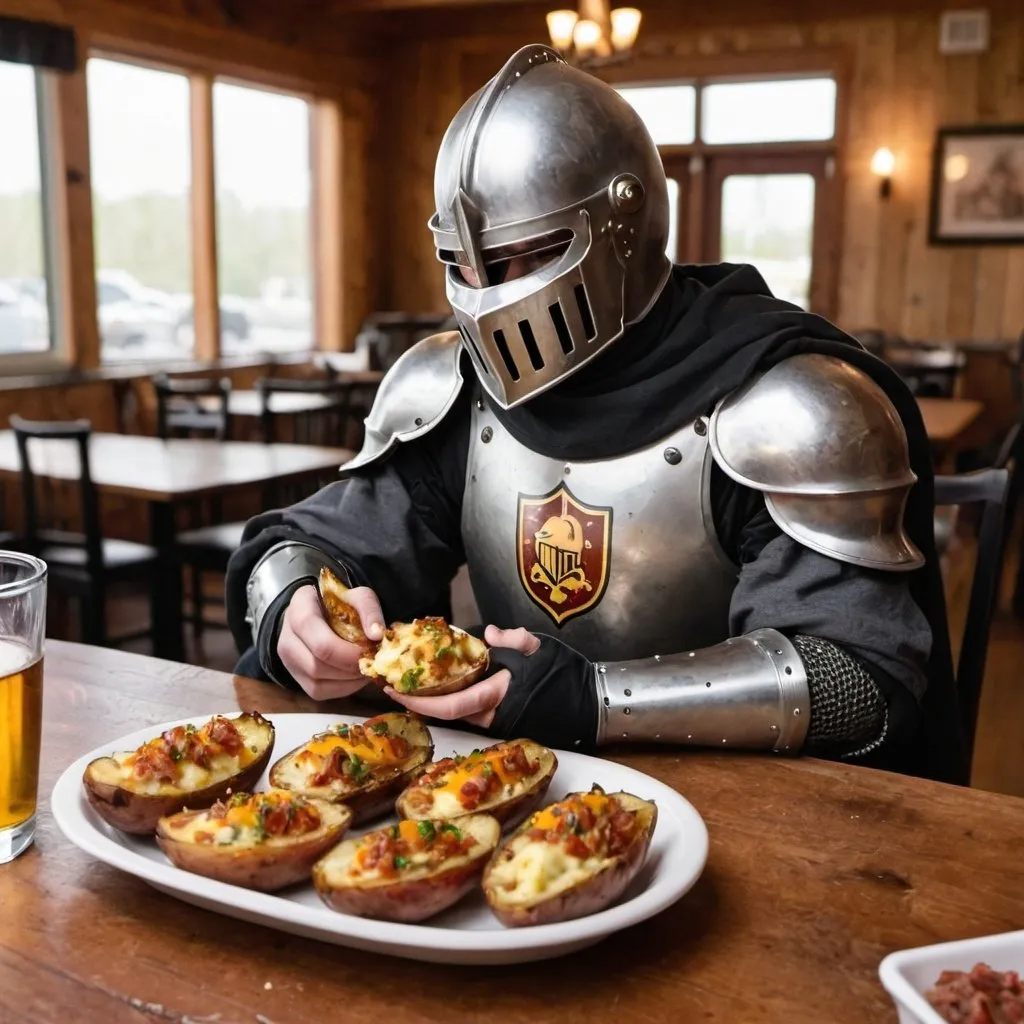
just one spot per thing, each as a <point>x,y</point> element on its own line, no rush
<point>570,859</point>
<point>506,780</point>
<point>364,766</point>
<point>407,872</point>
<point>264,841</point>
<point>187,766</point>
<point>427,658</point>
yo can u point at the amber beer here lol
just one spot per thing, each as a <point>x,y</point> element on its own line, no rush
<point>21,723</point>
<point>22,631</point>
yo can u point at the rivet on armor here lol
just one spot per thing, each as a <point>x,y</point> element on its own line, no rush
<point>627,193</point>
<point>796,712</point>
<point>789,671</point>
<point>626,711</point>
<point>690,737</point>
<point>628,693</point>
<point>708,684</point>
<point>774,728</point>
<point>568,470</point>
<point>607,702</point>
<point>725,741</point>
<point>486,434</point>
<point>419,421</point>
<point>480,404</point>
<point>777,651</point>
<point>657,735</point>
<point>700,427</point>
<point>692,654</point>
<point>673,456</point>
<point>625,735</point>
<point>657,657</point>
<point>628,253</point>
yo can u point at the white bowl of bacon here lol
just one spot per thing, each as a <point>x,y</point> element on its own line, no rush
<point>972,981</point>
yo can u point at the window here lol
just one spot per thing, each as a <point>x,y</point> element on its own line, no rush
<point>798,110</point>
<point>263,180</point>
<point>752,161</point>
<point>668,111</point>
<point>768,221</point>
<point>25,322</point>
<point>139,134</point>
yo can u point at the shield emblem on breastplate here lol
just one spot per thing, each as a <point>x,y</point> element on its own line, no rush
<point>563,548</point>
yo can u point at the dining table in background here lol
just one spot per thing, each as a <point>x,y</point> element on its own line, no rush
<point>816,871</point>
<point>165,474</point>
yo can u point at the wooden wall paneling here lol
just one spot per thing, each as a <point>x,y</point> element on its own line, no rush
<point>359,210</point>
<point>1013,299</point>
<point>868,125</point>
<point>998,84</point>
<point>77,267</point>
<point>205,289</point>
<point>959,105</point>
<point>927,270</point>
<point>901,208</point>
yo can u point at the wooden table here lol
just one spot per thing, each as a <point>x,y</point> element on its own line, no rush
<point>816,871</point>
<point>945,419</point>
<point>165,474</point>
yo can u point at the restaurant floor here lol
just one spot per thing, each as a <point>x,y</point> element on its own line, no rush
<point>999,750</point>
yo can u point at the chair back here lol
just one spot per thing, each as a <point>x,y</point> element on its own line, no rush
<point>325,422</point>
<point>987,488</point>
<point>192,407</point>
<point>37,492</point>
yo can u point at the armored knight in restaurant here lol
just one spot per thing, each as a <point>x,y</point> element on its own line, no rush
<point>692,513</point>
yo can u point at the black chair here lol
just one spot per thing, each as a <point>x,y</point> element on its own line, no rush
<point>198,408</point>
<point>192,407</point>
<point>989,489</point>
<point>81,565</point>
<point>327,424</point>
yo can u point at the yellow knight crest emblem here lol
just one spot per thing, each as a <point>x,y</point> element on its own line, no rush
<point>563,547</point>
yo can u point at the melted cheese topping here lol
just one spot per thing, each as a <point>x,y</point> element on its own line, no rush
<point>241,827</point>
<point>446,803</point>
<point>541,870</point>
<point>375,751</point>
<point>406,653</point>
<point>192,777</point>
<point>548,819</point>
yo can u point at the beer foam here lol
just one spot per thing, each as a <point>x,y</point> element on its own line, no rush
<point>15,657</point>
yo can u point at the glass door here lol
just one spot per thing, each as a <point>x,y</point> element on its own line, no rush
<point>768,212</point>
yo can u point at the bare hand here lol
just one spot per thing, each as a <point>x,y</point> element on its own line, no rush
<point>323,664</point>
<point>477,703</point>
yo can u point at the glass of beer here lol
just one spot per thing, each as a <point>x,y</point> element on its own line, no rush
<point>22,630</point>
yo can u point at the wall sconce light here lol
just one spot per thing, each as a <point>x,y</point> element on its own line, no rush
<point>882,164</point>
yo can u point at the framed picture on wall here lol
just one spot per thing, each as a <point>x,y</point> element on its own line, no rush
<point>978,186</point>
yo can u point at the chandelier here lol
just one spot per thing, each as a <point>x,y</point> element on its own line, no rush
<point>594,35</point>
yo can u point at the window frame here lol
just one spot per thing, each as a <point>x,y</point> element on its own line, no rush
<point>58,356</point>
<point>693,164</point>
<point>68,208</point>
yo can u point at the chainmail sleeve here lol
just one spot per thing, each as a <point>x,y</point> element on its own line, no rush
<point>849,717</point>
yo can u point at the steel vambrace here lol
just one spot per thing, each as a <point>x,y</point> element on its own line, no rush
<point>759,691</point>
<point>282,566</point>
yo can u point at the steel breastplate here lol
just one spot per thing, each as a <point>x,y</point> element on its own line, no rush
<point>616,557</point>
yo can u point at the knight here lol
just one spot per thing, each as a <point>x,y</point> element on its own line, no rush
<point>692,514</point>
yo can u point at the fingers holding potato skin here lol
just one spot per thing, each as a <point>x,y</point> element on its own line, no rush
<point>323,664</point>
<point>476,704</point>
<point>365,602</point>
